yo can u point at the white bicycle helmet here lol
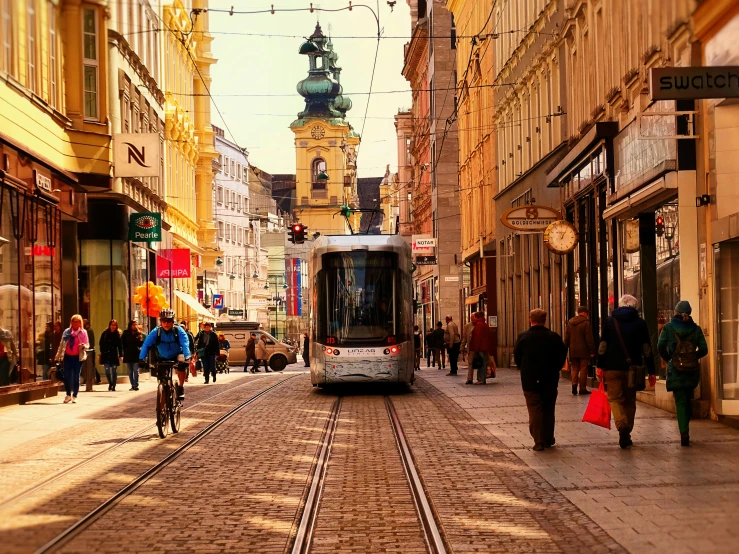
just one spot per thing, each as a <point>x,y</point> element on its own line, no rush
<point>167,313</point>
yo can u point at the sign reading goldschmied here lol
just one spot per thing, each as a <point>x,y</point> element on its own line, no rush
<point>145,227</point>
<point>529,217</point>
<point>693,83</point>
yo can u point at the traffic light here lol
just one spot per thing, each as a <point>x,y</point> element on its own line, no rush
<point>659,226</point>
<point>297,233</point>
<point>346,211</point>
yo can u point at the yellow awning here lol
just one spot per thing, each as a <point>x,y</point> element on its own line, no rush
<point>474,299</point>
<point>195,305</point>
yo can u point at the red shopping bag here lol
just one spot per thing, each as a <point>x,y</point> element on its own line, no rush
<point>193,369</point>
<point>598,411</point>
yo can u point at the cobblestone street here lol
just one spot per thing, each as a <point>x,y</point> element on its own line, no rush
<point>241,488</point>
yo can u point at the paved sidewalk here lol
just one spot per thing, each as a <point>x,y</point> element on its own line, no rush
<point>655,497</point>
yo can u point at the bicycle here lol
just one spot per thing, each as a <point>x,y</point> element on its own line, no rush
<point>168,405</point>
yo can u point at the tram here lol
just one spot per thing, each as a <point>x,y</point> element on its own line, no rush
<point>361,313</point>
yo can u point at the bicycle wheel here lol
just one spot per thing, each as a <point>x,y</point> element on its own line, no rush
<point>162,411</point>
<point>174,413</point>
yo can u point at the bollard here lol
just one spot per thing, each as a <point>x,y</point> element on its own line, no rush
<point>90,373</point>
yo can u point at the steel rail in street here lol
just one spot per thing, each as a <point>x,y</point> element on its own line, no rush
<point>431,531</point>
<point>304,535</point>
<point>82,463</point>
<point>83,523</point>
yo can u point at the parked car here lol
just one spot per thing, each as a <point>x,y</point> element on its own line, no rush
<point>237,333</point>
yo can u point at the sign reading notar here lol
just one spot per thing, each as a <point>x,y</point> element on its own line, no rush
<point>145,227</point>
<point>529,217</point>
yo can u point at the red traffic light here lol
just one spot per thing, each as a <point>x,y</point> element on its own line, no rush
<point>297,228</point>
<point>660,220</point>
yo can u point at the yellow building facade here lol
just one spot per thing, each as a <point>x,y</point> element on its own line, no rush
<point>325,145</point>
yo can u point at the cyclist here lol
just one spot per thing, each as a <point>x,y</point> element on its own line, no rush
<point>171,344</point>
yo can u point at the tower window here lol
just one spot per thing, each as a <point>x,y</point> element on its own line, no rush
<point>318,166</point>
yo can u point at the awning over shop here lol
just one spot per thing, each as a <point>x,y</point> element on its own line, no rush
<point>474,299</point>
<point>195,305</point>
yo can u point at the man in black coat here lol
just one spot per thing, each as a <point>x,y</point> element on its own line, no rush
<point>306,349</point>
<point>540,355</point>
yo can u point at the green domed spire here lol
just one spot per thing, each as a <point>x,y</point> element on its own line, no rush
<point>322,88</point>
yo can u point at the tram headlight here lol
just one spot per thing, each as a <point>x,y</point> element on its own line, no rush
<point>394,349</point>
<point>336,352</point>
<point>329,350</point>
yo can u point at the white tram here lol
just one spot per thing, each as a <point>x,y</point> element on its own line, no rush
<point>361,312</point>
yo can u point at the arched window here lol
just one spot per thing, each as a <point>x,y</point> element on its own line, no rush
<point>318,166</point>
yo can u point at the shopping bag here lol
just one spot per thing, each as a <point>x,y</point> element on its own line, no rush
<point>193,369</point>
<point>598,411</point>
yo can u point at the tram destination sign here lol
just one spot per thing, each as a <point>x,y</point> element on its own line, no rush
<point>693,83</point>
<point>425,260</point>
<point>529,218</point>
<point>145,227</point>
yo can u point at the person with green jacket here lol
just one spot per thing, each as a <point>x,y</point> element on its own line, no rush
<point>681,345</point>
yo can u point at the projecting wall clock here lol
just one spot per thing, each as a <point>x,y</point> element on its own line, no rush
<point>317,132</point>
<point>560,237</point>
<point>631,236</point>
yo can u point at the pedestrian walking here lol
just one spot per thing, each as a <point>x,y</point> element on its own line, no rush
<point>207,349</point>
<point>261,354</point>
<point>453,343</point>
<point>416,348</point>
<point>132,339</point>
<point>437,346</point>
<point>581,344</point>
<point>306,349</point>
<point>467,334</point>
<point>540,354</point>
<point>428,342</point>
<point>111,352</point>
<point>481,347</point>
<point>190,337</point>
<point>251,353</point>
<point>624,349</point>
<point>682,345</point>
<point>72,352</point>
<point>44,352</point>
<point>91,337</point>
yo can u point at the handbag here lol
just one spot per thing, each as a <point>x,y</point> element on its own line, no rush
<point>637,373</point>
<point>193,369</point>
<point>477,361</point>
<point>598,411</point>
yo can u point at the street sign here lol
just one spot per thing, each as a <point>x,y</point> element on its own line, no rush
<point>218,301</point>
<point>136,155</point>
<point>451,279</point>
<point>693,83</point>
<point>145,227</point>
<point>425,260</point>
<point>236,313</point>
<point>422,243</point>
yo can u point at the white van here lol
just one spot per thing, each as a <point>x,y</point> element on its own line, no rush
<point>238,332</point>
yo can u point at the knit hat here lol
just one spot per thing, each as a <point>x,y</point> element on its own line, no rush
<point>683,307</point>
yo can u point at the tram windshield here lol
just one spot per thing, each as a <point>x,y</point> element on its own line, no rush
<point>358,299</point>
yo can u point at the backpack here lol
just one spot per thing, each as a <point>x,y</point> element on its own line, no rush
<point>685,358</point>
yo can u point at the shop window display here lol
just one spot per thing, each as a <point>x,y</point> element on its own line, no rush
<point>9,277</point>
<point>727,304</point>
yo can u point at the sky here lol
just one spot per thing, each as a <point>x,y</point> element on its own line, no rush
<point>254,60</point>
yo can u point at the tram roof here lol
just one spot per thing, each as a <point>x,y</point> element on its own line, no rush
<point>344,243</point>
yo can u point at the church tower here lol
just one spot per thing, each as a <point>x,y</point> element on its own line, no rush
<point>325,144</point>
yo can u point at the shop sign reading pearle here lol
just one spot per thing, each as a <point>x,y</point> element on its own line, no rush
<point>529,218</point>
<point>693,83</point>
<point>145,227</point>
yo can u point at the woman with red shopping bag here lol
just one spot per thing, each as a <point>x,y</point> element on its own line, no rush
<point>598,411</point>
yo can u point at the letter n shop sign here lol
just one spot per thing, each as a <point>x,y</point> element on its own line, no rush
<point>136,155</point>
<point>145,227</point>
<point>694,83</point>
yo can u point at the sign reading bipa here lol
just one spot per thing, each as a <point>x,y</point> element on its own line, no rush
<point>136,155</point>
<point>145,227</point>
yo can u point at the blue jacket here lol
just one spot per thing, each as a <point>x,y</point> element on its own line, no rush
<point>636,338</point>
<point>171,343</point>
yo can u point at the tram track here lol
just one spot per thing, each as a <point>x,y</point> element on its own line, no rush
<point>87,461</point>
<point>427,518</point>
<point>91,517</point>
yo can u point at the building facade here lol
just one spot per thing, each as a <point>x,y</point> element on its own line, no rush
<point>325,144</point>
<point>54,144</point>
<point>404,134</point>
<point>430,69</point>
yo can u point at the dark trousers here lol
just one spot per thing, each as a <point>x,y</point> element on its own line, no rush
<point>622,400</point>
<point>247,363</point>
<point>306,359</point>
<point>72,367</point>
<point>541,406</point>
<point>256,365</point>
<point>209,366</point>
<point>454,357</point>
